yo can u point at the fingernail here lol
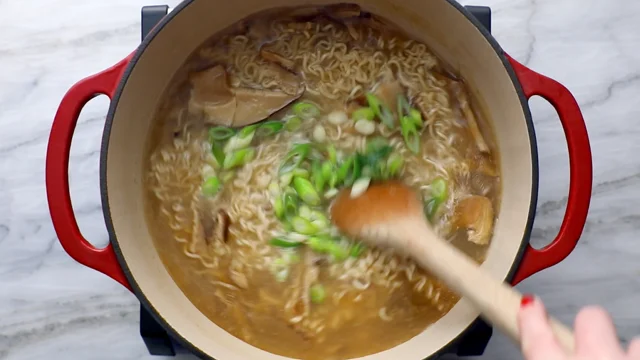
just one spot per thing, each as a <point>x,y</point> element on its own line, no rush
<point>527,300</point>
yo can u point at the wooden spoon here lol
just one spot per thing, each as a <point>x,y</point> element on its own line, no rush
<point>391,215</point>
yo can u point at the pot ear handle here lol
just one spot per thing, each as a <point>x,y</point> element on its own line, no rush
<point>580,174</point>
<point>57,173</point>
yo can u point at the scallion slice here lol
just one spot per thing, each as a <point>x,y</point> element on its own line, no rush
<point>238,158</point>
<point>306,191</point>
<point>303,226</point>
<point>219,133</point>
<point>284,242</point>
<point>269,128</point>
<point>410,134</point>
<point>211,186</point>
<point>293,123</point>
<point>380,110</point>
<point>363,113</point>
<point>305,110</point>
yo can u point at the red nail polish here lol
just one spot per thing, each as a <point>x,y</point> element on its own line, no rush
<point>526,300</point>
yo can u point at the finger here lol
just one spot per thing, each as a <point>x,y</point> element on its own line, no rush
<point>538,341</point>
<point>596,335</point>
<point>634,349</point>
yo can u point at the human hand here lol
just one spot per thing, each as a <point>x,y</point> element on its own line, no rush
<point>595,335</point>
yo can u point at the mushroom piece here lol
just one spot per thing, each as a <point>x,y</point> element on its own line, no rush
<point>343,11</point>
<point>475,214</point>
<point>468,114</point>
<point>224,105</point>
<point>214,223</point>
<point>388,88</point>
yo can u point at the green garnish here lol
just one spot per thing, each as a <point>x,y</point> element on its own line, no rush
<point>357,249</point>
<point>363,113</point>
<point>220,133</point>
<point>306,191</point>
<point>304,173</point>
<point>211,186</point>
<point>295,157</point>
<point>238,158</point>
<point>293,123</point>
<point>332,154</point>
<point>327,245</point>
<point>394,165</point>
<point>305,110</point>
<point>284,243</point>
<point>316,176</point>
<point>380,110</point>
<point>218,153</point>
<point>439,194</point>
<point>248,130</point>
<point>410,134</point>
<point>317,294</point>
<point>278,207</point>
<point>270,127</point>
<point>303,226</point>
<point>290,205</point>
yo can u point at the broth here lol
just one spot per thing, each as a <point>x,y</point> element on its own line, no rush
<point>230,210</point>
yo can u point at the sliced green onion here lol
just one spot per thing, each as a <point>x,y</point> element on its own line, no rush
<point>248,130</point>
<point>349,171</point>
<point>305,212</point>
<point>317,294</point>
<point>211,186</point>
<point>357,249</point>
<point>376,144</point>
<point>207,171</point>
<point>269,128</point>
<point>305,110</point>
<point>416,116</point>
<point>327,170</point>
<point>319,219</point>
<point>363,113</point>
<point>381,110</point>
<point>290,205</point>
<point>316,176</point>
<point>331,193</point>
<point>327,245</point>
<point>284,242</point>
<point>403,106</point>
<point>306,191</point>
<point>430,208</point>
<point>295,157</point>
<point>227,175</point>
<point>333,180</point>
<point>218,153</point>
<point>332,154</point>
<point>238,141</point>
<point>238,158</point>
<point>439,189</point>
<point>285,179</point>
<point>410,134</point>
<point>293,123</point>
<point>394,164</point>
<point>303,226</point>
<point>278,207</point>
<point>304,173</point>
<point>220,133</point>
<point>360,186</point>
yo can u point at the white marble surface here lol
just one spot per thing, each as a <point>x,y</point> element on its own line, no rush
<point>53,308</point>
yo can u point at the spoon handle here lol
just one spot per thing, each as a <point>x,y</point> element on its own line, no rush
<point>498,302</point>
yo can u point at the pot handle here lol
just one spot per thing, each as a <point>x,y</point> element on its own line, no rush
<point>57,172</point>
<point>580,171</point>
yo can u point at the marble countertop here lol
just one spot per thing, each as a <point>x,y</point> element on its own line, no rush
<point>52,307</point>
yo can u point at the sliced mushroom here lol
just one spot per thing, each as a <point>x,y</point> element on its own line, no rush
<point>276,58</point>
<point>475,214</point>
<point>214,223</point>
<point>228,106</point>
<point>388,88</point>
<point>468,114</point>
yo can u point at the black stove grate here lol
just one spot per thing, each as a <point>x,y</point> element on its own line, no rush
<point>472,343</point>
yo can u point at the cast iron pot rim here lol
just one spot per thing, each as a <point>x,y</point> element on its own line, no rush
<point>105,196</point>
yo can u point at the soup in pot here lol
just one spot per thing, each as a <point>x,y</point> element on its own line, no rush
<point>261,128</point>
